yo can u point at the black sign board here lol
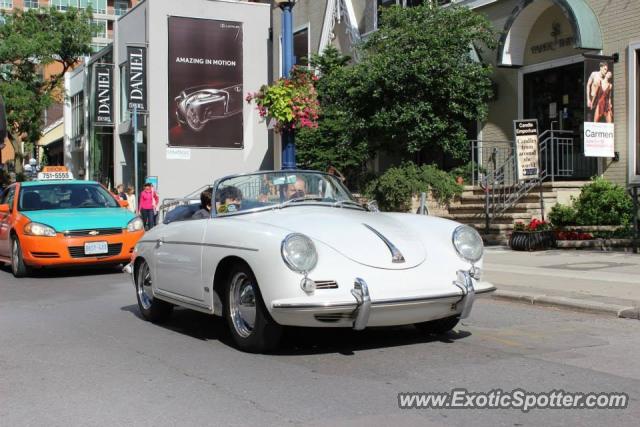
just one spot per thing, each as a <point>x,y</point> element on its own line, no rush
<point>526,148</point>
<point>137,78</point>
<point>103,81</point>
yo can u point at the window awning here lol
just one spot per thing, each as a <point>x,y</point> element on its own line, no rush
<point>583,20</point>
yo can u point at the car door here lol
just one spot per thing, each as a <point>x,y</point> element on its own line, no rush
<point>178,256</point>
<point>5,221</point>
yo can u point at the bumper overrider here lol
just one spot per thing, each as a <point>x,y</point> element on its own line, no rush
<point>364,312</point>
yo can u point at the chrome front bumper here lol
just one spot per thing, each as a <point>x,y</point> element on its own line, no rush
<point>359,311</point>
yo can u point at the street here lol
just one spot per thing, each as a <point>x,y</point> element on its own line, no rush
<point>73,351</point>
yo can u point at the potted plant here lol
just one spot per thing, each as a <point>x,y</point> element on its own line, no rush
<point>289,103</point>
<point>533,236</point>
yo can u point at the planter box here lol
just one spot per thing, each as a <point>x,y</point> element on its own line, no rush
<point>532,240</point>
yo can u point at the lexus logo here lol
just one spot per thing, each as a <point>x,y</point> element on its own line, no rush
<point>94,233</point>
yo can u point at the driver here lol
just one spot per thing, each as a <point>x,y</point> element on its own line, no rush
<point>297,190</point>
<point>229,199</point>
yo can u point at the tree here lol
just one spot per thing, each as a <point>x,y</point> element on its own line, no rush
<point>332,143</point>
<point>37,47</point>
<point>414,89</point>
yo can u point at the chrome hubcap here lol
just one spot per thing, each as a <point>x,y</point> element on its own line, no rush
<point>144,286</point>
<point>242,304</point>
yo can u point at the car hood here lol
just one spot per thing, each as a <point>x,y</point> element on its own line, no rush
<point>81,219</point>
<point>358,235</point>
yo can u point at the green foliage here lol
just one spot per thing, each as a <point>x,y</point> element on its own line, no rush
<point>466,171</point>
<point>332,143</point>
<point>393,189</point>
<point>413,89</point>
<point>562,215</point>
<point>603,203</point>
<point>29,40</point>
<point>600,202</point>
<point>417,85</point>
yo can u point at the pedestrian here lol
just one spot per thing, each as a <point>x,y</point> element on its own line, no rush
<point>131,198</point>
<point>147,206</point>
<point>120,192</point>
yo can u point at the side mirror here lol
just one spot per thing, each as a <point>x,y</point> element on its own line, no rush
<point>4,208</point>
<point>123,203</point>
<point>372,206</point>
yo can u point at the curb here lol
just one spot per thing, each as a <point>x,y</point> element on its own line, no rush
<point>626,312</point>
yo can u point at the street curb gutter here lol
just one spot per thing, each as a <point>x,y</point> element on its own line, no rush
<point>627,312</point>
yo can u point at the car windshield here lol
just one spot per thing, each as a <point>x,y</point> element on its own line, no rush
<point>65,196</point>
<point>280,189</point>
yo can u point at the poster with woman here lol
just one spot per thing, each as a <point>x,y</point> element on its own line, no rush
<point>599,112</point>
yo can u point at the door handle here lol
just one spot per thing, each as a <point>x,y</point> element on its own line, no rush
<point>160,241</point>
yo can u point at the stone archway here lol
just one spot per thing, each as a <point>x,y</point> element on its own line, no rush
<point>581,17</point>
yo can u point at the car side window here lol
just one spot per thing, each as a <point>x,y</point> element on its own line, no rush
<point>7,199</point>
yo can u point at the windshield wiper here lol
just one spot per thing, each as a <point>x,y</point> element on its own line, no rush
<point>301,199</point>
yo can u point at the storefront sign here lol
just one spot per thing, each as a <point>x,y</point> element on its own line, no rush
<point>103,109</point>
<point>205,83</point>
<point>599,135</point>
<point>526,149</point>
<point>178,153</point>
<point>137,78</point>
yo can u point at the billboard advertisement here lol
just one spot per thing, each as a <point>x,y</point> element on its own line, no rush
<point>103,108</point>
<point>526,140</point>
<point>137,78</point>
<point>205,83</point>
<point>599,115</point>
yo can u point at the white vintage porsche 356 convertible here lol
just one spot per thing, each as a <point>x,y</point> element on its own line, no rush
<point>294,248</point>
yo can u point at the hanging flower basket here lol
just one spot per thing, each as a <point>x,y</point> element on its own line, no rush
<point>290,103</point>
<point>537,235</point>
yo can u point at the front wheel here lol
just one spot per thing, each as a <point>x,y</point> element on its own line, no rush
<point>18,267</point>
<point>250,323</point>
<point>152,309</point>
<point>438,326</point>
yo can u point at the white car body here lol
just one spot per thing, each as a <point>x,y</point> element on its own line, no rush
<point>433,282</point>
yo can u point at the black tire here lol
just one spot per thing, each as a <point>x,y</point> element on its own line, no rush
<point>264,334</point>
<point>18,267</point>
<point>152,309</point>
<point>439,326</point>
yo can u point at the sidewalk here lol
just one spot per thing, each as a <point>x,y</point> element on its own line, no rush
<point>605,282</point>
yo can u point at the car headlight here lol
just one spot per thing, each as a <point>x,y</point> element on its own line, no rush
<point>37,229</point>
<point>468,243</point>
<point>136,224</point>
<point>299,253</point>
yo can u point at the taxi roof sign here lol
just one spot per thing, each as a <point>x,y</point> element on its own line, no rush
<point>51,173</point>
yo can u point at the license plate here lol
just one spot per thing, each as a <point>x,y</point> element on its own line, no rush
<point>96,248</point>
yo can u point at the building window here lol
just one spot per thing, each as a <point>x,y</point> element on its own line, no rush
<point>98,6</point>
<point>99,28</point>
<point>120,7</point>
<point>77,116</point>
<point>97,47</point>
<point>6,4</point>
<point>31,4</point>
<point>301,46</point>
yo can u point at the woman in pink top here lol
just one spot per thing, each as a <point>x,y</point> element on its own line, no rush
<point>148,205</point>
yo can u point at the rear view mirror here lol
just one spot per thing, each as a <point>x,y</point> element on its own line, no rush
<point>4,208</point>
<point>123,203</point>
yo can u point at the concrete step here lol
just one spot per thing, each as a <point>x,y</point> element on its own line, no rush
<point>520,207</point>
<point>477,199</point>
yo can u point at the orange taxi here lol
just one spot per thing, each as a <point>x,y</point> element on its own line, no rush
<point>57,221</point>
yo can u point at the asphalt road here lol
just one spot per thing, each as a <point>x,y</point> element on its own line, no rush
<point>73,351</point>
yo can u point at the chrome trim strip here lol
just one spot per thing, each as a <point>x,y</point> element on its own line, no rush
<point>396,255</point>
<point>210,245</point>
<point>183,300</point>
<point>486,291</point>
<point>331,305</point>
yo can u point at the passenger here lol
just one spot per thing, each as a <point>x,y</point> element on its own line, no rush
<point>297,190</point>
<point>229,199</point>
<point>205,205</point>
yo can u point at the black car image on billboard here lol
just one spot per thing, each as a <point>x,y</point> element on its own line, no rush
<point>197,106</point>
